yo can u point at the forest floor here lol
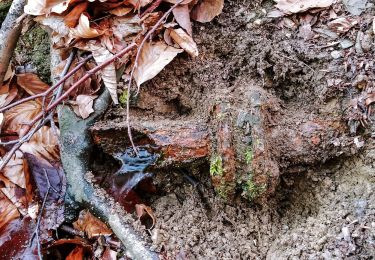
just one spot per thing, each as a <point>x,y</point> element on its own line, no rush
<point>324,205</point>
<point>324,208</point>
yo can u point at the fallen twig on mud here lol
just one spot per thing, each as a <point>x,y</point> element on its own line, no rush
<point>9,33</point>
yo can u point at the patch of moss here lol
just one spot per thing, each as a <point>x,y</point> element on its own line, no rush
<point>251,190</point>
<point>34,48</point>
<point>216,166</point>
<point>249,156</point>
<point>123,98</point>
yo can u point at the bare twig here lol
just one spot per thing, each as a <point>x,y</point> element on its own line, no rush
<point>37,228</point>
<point>148,35</point>
<point>48,91</point>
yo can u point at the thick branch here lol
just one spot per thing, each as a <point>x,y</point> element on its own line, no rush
<point>9,33</point>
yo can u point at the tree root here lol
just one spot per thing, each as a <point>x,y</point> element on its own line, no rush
<point>76,144</point>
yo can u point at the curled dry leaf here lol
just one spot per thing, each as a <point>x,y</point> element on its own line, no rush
<point>91,225</point>
<point>84,105</point>
<point>153,58</point>
<point>297,6</point>
<point>72,18</point>
<point>31,83</point>
<point>185,41</point>
<point>206,10</point>
<point>101,54</point>
<point>83,29</point>
<point>142,211</point>
<point>182,15</point>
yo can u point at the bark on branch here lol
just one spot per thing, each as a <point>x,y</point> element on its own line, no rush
<point>9,33</point>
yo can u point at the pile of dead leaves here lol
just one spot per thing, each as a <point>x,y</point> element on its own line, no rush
<point>106,27</point>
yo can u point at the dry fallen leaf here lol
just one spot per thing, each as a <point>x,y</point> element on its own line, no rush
<point>101,54</point>
<point>40,7</point>
<point>14,171</point>
<point>297,6</point>
<point>31,83</point>
<point>185,41</point>
<point>85,105</point>
<point>8,211</point>
<point>83,29</point>
<point>76,254</point>
<point>342,24</point>
<point>142,210</point>
<point>43,145</point>
<point>153,58</point>
<point>71,19</point>
<point>91,225</point>
<point>121,10</point>
<point>182,15</point>
<point>206,10</point>
<point>17,118</point>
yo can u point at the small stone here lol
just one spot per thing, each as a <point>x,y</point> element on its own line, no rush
<point>367,43</point>
<point>336,54</point>
<point>355,7</point>
<point>360,81</point>
<point>346,233</point>
<point>345,44</point>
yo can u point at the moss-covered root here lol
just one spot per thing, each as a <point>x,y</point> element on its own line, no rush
<point>76,144</point>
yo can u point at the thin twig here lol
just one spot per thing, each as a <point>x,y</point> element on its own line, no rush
<point>37,228</point>
<point>48,91</point>
<point>148,35</point>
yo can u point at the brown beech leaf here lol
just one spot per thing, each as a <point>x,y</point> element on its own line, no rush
<point>31,83</point>
<point>185,41</point>
<point>40,7</point>
<point>15,194</point>
<point>83,29</point>
<point>17,118</point>
<point>14,171</point>
<point>8,211</point>
<point>206,10</point>
<point>91,225</point>
<point>297,6</point>
<point>121,10</point>
<point>101,54</point>
<point>183,2</point>
<point>76,254</point>
<point>143,211</point>
<point>182,15</point>
<point>139,3</point>
<point>43,145</point>
<point>71,19</point>
<point>10,91</point>
<point>85,105</point>
<point>153,58</point>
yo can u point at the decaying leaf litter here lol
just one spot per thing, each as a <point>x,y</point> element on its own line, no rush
<point>339,26</point>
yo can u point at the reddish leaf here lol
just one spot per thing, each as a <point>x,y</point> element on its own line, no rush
<point>31,83</point>
<point>76,254</point>
<point>206,10</point>
<point>91,225</point>
<point>71,19</point>
<point>143,212</point>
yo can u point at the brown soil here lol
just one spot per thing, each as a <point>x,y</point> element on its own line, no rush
<point>323,207</point>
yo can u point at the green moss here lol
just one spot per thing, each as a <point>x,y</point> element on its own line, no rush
<point>216,166</point>
<point>252,190</point>
<point>34,48</point>
<point>123,98</point>
<point>249,156</point>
